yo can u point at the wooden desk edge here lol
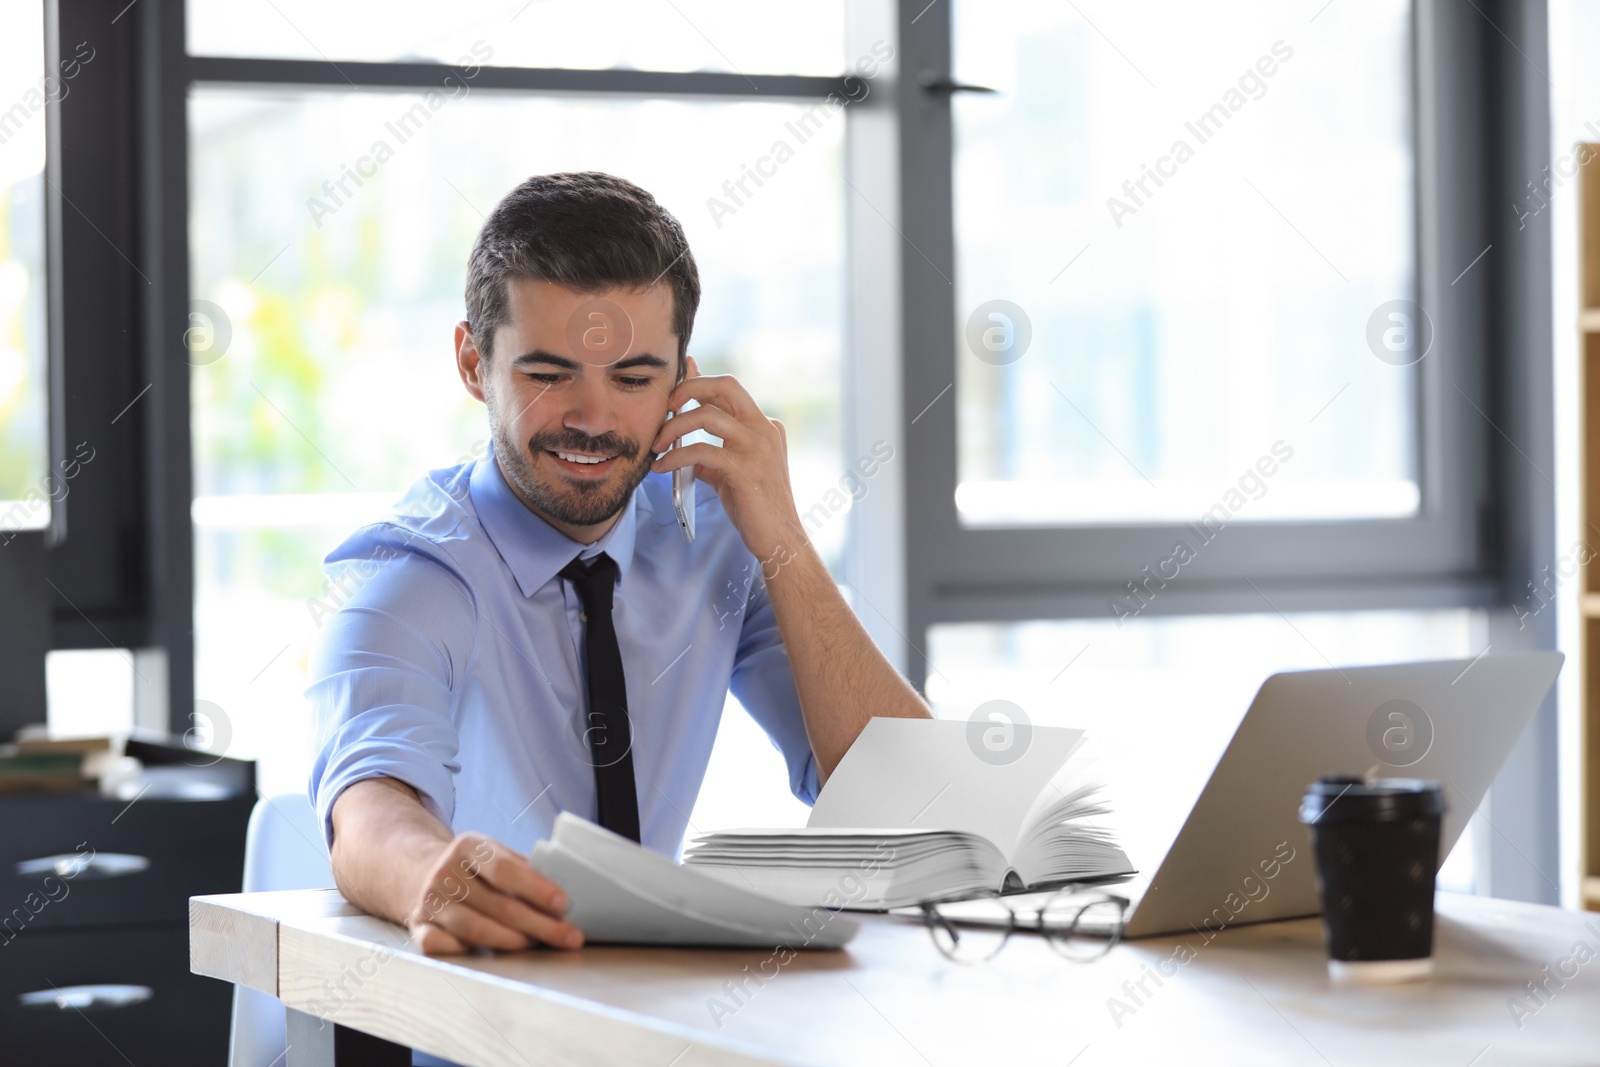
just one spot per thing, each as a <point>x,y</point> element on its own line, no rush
<point>356,981</point>
<point>234,936</point>
<point>244,937</point>
<point>232,943</point>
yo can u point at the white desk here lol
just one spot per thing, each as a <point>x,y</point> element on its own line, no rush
<point>1256,994</point>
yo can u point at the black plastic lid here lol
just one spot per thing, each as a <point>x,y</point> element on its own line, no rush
<point>1343,798</point>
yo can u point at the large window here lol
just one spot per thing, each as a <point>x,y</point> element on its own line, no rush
<point>1167,256</point>
<point>25,487</point>
<point>1209,350</point>
<point>329,232</point>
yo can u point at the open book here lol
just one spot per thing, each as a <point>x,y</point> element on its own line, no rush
<point>919,810</point>
<point>621,893</point>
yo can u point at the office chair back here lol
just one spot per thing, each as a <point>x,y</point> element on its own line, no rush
<point>284,849</point>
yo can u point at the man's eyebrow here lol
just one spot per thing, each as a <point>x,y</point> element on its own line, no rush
<point>538,355</point>
<point>643,359</point>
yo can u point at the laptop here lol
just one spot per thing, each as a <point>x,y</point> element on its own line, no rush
<point>1243,855</point>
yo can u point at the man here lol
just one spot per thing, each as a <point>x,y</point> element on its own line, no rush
<point>531,633</point>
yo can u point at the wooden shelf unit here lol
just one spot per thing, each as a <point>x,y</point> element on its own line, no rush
<point>1589,507</point>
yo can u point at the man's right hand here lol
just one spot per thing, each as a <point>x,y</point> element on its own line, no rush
<point>392,858</point>
<point>479,892</point>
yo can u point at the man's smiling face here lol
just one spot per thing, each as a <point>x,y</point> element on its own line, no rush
<point>576,388</point>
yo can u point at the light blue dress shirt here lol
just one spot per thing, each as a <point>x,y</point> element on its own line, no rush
<point>456,663</point>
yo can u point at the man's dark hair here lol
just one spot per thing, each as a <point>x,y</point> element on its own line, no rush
<point>586,231</point>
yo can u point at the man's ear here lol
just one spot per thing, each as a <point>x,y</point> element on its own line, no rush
<point>470,362</point>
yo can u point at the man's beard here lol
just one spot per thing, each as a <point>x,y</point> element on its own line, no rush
<point>567,500</point>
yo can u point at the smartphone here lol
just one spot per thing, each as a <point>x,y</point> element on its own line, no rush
<point>683,480</point>
<point>683,499</point>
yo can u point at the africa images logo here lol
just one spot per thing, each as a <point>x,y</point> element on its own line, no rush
<point>1399,733</point>
<point>999,732</point>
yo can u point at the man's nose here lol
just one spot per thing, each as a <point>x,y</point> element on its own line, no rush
<point>589,408</point>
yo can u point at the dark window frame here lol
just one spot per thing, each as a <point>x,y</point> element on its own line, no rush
<point>1453,554</point>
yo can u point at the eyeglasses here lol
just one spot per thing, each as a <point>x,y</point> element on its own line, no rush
<point>1079,925</point>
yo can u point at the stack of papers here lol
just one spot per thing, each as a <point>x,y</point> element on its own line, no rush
<point>621,893</point>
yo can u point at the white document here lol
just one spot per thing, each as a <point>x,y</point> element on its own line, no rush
<point>621,893</point>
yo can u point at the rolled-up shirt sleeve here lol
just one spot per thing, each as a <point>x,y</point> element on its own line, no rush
<point>763,682</point>
<point>385,673</point>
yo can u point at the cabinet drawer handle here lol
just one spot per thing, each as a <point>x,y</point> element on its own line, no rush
<point>77,865</point>
<point>86,997</point>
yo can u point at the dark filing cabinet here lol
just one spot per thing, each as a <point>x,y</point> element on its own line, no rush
<point>94,936</point>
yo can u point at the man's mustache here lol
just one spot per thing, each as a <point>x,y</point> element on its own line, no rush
<point>607,444</point>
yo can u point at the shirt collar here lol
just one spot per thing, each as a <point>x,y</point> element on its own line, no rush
<point>533,549</point>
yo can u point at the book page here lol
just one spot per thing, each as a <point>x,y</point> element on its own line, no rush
<point>941,774</point>
<point>1056,801</point>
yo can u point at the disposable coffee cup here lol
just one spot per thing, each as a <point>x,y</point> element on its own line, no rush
<point>1376,844</point>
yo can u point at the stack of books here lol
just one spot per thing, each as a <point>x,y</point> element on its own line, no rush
<point>39,764</point>
<point>915,813</point>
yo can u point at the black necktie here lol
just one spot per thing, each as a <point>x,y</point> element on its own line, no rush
<point>606,724</point>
